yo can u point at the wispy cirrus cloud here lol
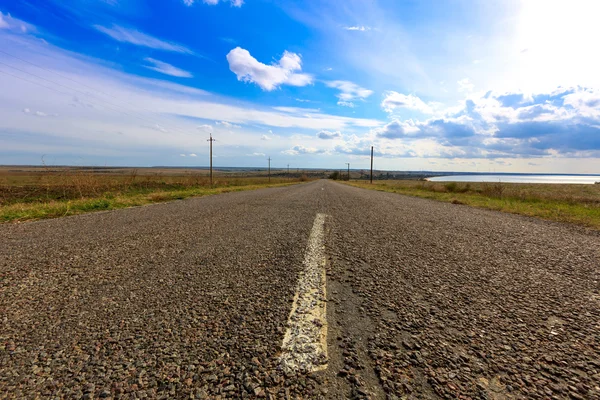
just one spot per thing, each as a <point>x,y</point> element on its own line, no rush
<point>135,37</point>
<point>167,69</point>
<point>268,77</point>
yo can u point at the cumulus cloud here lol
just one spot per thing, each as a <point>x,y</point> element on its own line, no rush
<point>265,137</point>
<point>205,128</point>
<point>394,100</point>
<point>268,77</point>
<point>565,122</point>
<point>329,135</point>
<point>296,150</point>
<point>193,155</point>
<point>167,69</point>
<point>349,91</point>
<point>133,36</point>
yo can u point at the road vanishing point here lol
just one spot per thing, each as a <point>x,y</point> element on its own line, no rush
<point>317,290</point>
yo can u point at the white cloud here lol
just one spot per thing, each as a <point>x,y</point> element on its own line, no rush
<point>193,155</point>
<point>329,135</point>
<point>268,77</point>
<point>345,104</point>
<point>234,3</point>
<point>395,100</point>
<point>166,69</point>
<point>349,91</point>
<point>38,113</point>
<point>296,150</point>
<point>397,129</point>
<point>257,154</point>
<point>228,125</point>
<point>465,85</point>
<point>10,23</point>
<point>138,38</point>
<point>3,23</point>
<point>182,155</point>
<point>357,28</point>
<point>265,137</point>
<point>205,128</point>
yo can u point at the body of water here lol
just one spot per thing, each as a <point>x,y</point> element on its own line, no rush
<point>519,178</point>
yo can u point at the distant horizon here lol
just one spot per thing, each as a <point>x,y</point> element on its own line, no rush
<point>294,169</point>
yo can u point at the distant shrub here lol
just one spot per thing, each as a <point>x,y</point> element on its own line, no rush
<point>451,187</point>
<point>303,178</point>
<point>335,176</point>
<point>493,189</point>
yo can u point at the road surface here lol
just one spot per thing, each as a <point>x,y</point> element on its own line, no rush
<point>318,290</point>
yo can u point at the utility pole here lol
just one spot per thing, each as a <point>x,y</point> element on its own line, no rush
<point>269,169</point>
<point>211,140</point>
<point>348,164</point>
<point>288,169</point>
<point>371,164</point>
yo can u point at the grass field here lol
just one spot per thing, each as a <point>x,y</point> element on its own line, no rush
<point>29,193</point>
<point>579,204</point>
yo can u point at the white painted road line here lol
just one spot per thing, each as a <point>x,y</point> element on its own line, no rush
<point>304,345</point>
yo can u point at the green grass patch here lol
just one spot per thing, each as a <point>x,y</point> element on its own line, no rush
<point>578,204</point>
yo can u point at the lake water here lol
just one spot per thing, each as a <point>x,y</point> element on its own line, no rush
<point>518,178</point>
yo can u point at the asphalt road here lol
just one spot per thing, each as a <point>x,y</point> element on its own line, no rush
<point>191,299</point>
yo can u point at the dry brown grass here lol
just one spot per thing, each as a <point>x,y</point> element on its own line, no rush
<point>578,204</point>
<point>33,193</point>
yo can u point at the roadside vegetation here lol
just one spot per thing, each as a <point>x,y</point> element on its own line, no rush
<point>37,193</point>
<point>579,204</point>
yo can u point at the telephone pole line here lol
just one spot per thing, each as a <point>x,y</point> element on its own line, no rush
<point>211,140</point>
<point>371,164</point>
<point>348,164</point>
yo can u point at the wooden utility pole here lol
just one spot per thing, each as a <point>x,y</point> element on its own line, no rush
<point>348,164</point>
<point>211,140</point>
<point>269,169</point>
<point>371,164</point>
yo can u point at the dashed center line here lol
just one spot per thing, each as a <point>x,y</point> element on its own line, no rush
<point>304,347</point>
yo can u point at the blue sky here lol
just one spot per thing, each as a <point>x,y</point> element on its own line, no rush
<point>509,85</point>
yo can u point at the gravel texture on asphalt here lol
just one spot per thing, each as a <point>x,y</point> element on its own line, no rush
<point>190,299</point>
<point>466,303</point>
